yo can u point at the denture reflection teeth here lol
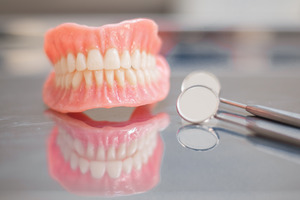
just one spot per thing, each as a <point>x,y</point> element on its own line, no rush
<point>121,152</point>
<point>94,60</point>
<point>111,153</point>
<point>125,60</point>
<point>127,165</point>
<point>132,147</point>
<point>88,78</point>
<point>71,64</point>
<point>77,145</point>
<point>111,59</point>
<point>74,161</point>
<point>77,78</point>
<point>131,77</point>
<point>114,168</point>
<point>97,169</point>
<point>80,62</point>
<point>120,76</point>
<point>109,77</point>
<point>90,151</point>
<point>100,153</point>
<point>99,77</point>
<point>136,59</point>
<point>84,165</point>
<point>147,76</point>
<point>137,162</point>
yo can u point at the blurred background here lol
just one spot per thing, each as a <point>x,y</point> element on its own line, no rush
<point>247,35</point>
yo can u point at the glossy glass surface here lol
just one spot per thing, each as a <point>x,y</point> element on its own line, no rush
<point>36,144</point>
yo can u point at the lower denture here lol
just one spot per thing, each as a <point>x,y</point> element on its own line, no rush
<point>122,70</point>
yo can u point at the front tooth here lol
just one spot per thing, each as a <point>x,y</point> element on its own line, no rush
<point>127,165</point>
<point>111,59</point>
<point>77,78</point>
<point>63,65</point>
<point>130,77</point>
<point>136,59</point>
<point>144,59</point>
<point>83,165</point>
<point>99,77</point>
<point>77,145</point>
<point>88,78</point>
<point>101,153</point>
<point>140,77</point>
<point>120,76</point>
<point>80,62</point>
<point>68,80</point>
<point>94,60</point>
<point>125,60</point>
<point>71,62</point>
<point>131,147</point>
<point>90,151</point>
<point>109,76</point>
<point>114,168</point>
<point>97,169</point>
<point>74,161</point>
<point>121,153</point>
<point>111,153</point>
<point>137,161</point>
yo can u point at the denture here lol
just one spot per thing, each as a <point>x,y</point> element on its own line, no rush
<point>101,158</point>
<point>109,66</point>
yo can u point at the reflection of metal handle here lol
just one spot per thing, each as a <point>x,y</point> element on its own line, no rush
<point>275,114</point>
<point>274,130</point>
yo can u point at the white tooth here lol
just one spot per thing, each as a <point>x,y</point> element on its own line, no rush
<point>152,74</point>
<point>130,77</point>
<point>145,156</point>
<point>111,59</point>
<point>120,76</point>
<point>111,153</point>
<point>136,59</point>
<point>99,77</point>
<point>100,153</point>
<point>97,169</point>
<point>147,76</point>
<point>69,140</point>
<point>90,151</point>
<point>77,145</point>
<point>140,77</point>
<point>137,161</point>
<point>121,153</point>
<point>144,59</point>
<point>68,80</point>
<point>141,142</point>
<point>125,60</point>
<point>80,62</point>
<point>94,60</point>
<point>88,78</point>
<point>127,165</point>
<point>71,62</point>
<point>109,77</point>
<point>77,78</point>
<point>57,80</point>
<point>114,168</point>
<point>74,161</point>
<point>152,61</point>
<point>131,147</point>
<point>84,165</point>
<point>62,83</point>
<point>63,65</point>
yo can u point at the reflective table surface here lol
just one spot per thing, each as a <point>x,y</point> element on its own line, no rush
<point>133,153</point>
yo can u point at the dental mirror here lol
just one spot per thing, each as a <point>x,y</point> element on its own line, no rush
<point>197,137</point>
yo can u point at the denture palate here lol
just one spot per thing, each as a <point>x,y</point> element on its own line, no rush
<point>134,68</point>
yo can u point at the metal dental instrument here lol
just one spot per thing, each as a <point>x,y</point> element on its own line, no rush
<point>210,81</point>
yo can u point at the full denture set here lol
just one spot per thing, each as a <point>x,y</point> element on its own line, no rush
<point>109,66</point>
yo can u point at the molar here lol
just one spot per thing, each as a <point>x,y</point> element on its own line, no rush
<point>109,76</point>
<point>120,76</point>
<point>88,78</point>
<point>125,60</point>
<point>63,65</point>
<point>130,77</point>
<point>99,77</point>
<point>136,59</point>
<point>140,77</point>
<point>77,78</point>
<point>112,59</point>
<point>80,62</point>
<point>71,62</point>
<point>94,60</point>
<point>144,59</point>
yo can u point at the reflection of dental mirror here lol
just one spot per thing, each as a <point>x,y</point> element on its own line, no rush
<point>191,84</point>
<point>197,137</point>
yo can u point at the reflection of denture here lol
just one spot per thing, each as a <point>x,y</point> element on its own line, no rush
<point>106,158</point>
<point>114,65</point>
